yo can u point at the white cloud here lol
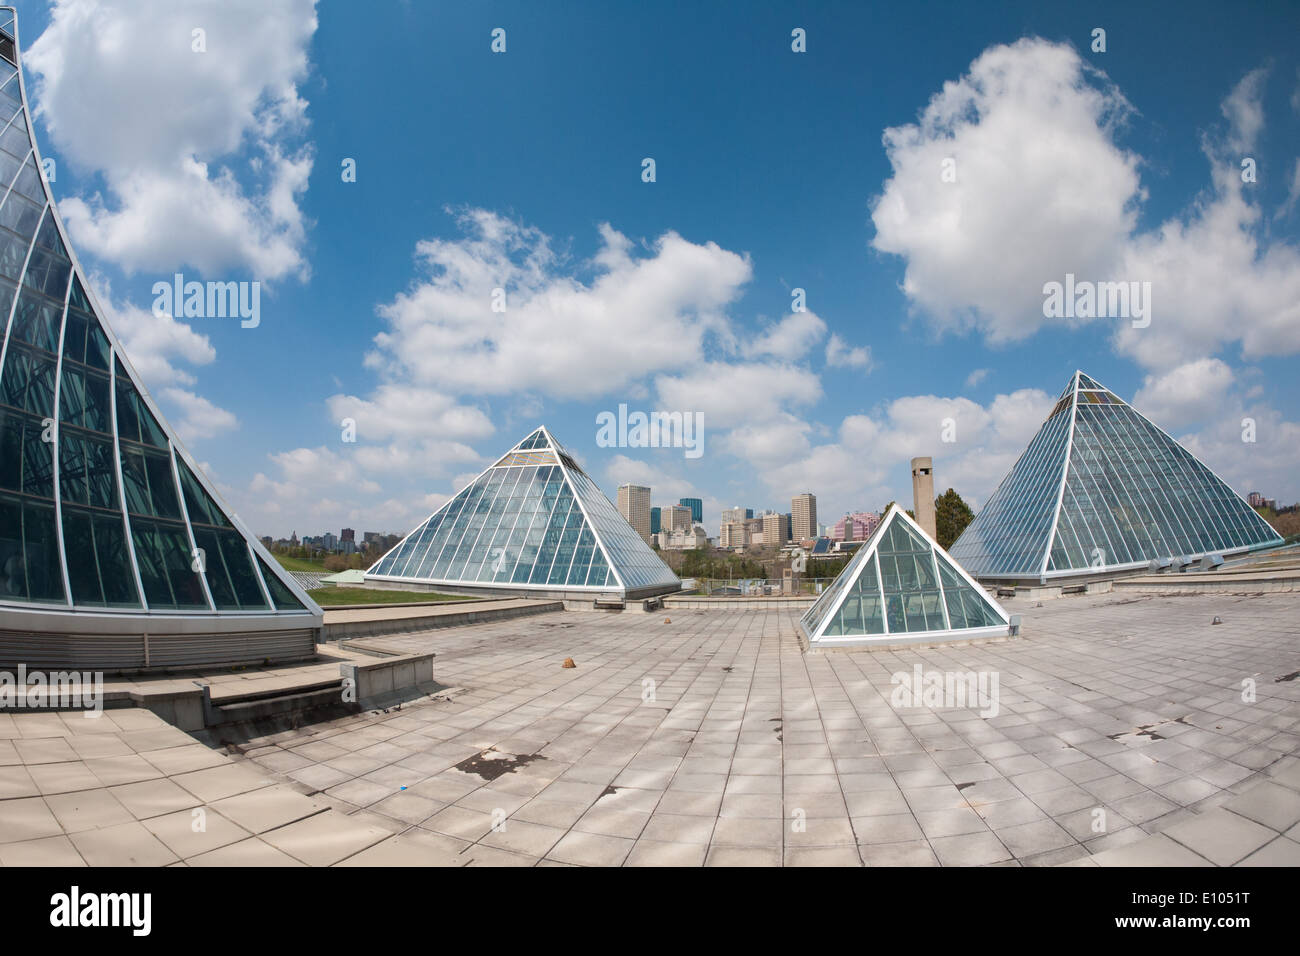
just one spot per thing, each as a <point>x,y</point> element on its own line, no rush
<point>559,336</point>
<point>200,153</point>
<point>1041,188</point>
<point>1189,393</point>
<point>198,417</point>
<point>977,376</point>
<point>732,394</point>
<point>403,412</point>
<point>1292,193</point>
<point>859,468</point>
<point>791,338</point>
<point>155,343</point>
<point>839,354</point>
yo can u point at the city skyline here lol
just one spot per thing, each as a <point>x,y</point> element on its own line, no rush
<point>899,346</point>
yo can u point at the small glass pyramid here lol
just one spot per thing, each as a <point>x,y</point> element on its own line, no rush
<point>532,521</point>
<point>1100,488</point>
<point>901,587</point>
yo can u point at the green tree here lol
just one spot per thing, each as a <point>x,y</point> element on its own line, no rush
<point>951,516</point>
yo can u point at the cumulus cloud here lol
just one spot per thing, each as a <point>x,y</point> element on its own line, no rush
<point>791,338</point>
<point>200,153</point>
<point>157,345</point>
<point>1040,189</point>
<point>1190,393</point>
<point>839,354</point>
<point>558,335</point>
<point>1043,189</point>
<point>194,417</point>
<point>731,394</point>
<point>858,467</point>
<point>403,411</point>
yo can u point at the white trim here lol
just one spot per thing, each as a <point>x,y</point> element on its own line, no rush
<point>121,487</point>
<point>1065,474</point>
<point>57,417</point>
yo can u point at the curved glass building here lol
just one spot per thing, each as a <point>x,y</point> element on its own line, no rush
<point>116,552</point>
<point>1102,489</point>
<point>532,524</point>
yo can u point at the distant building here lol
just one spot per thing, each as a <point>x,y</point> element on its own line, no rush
<point>776,529</point>
<point>634,505</point>
<point>737,514</point>
<point>697,508</point>
<point>656,520</point>
<point>855,527</point>
<point>348,535</point>
<point>683,539</point>
<point>675,518</point>
<point>803,516</point>
<point>733,535</point>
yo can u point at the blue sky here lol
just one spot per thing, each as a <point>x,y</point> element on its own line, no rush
<point>774,171</point>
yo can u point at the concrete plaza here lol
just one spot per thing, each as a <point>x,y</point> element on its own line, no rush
<point>1124,735</point>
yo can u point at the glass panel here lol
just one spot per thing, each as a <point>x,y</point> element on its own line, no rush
<point>150,488</point>
<point>198,503</point>
<point>162,550</point>
<point>280,593</point>
<point>26,461</point>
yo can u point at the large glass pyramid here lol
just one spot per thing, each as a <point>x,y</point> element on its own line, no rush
<point>103,515</point>
<point>1100,488</point>
<point>532,521</point>
<point>901,587</point>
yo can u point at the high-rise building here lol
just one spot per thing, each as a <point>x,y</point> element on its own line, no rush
<point>348,534</point>
<point>109,529</point>
<point>776,529</point>
<point>736,514</point>
<point>1255,499</point>
<point>676,518</point>
<point>533,521</point>
<point>1101,488</point>
<point>803,516</point>
<point>697,508</point>
<point>733,534</point>
<point>656,520</point>
<point>634,505</point>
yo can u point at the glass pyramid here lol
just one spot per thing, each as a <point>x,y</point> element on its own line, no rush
<point>1100,488</point>
<point>101,509</point>
<point>531,521</point>
<point>901,587</point>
